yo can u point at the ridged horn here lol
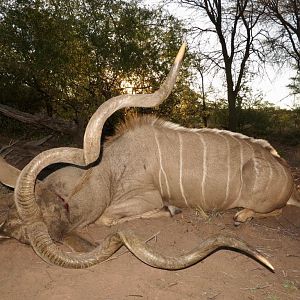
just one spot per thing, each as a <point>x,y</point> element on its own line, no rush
<point>43,245</point>
<point>151,257</point>
<point>24,196</point>
<point>91,144</point>
<point>45,248</point>
<point>37,230</point>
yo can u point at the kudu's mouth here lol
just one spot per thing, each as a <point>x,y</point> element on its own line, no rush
<point>37,230</point>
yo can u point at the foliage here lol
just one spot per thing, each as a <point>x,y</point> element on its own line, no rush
<point>66,58</point>
<point>295,85</point>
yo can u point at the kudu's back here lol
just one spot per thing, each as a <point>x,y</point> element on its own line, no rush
<point>208,168</point>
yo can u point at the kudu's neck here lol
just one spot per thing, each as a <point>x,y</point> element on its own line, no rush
<point>85,193</point>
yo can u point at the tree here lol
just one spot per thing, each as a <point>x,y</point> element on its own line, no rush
<point>236,26</point>
<point>202,68</point>
<point>44,56</point>
<point>283,18</point>
<point>284,33</point>
<point>65,58</point>
<point>295,85</point>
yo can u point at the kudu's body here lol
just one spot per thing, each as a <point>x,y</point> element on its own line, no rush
<point>149,165</point>
<point>152,163</point>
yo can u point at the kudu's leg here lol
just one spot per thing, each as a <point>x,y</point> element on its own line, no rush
<point>156,213</point>
<point>247,214</point>
<point>266,189</point>
<point>146,206</point>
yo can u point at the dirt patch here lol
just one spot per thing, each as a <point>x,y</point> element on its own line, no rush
<point>223,275</point>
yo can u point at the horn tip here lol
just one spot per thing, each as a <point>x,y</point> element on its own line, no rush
<point>181,52</point>
<point>265,262</point>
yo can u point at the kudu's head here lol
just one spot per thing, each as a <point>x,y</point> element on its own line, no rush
<point>37,229</point>
<point>55,213</point>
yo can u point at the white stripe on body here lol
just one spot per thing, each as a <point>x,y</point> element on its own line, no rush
<point>286,181</point>
<point>204,168</point>
<point>228,169</point>
<point>180,169</point>
<point>161,169</point>
<point>256,171</point>
<point>241,169</point>
<point>255,167</point>
<point>270,175</point>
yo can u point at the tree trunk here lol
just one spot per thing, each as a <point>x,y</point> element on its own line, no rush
<point>232,118</point>
<point>38,121</point>
<point>49,107</point>
<point>204,110</point>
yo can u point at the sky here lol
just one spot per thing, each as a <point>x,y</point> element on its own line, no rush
<point>272,83</point>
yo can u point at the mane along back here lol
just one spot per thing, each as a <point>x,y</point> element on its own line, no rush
<point>136,121</point>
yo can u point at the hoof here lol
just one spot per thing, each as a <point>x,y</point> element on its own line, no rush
<point>173,210</point>
<point>243,216</point>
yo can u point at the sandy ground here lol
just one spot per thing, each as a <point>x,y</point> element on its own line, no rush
<point>223,275</point>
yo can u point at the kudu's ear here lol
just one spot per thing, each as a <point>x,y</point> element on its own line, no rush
<point>8,173</point>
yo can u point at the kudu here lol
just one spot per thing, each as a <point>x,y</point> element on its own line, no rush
<point>147,166</point>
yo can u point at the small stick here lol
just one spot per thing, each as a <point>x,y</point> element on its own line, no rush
<point>11,144</point>
<point>257,287</point>
<point>154,236</point>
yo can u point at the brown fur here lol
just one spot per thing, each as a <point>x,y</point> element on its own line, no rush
<point>125,184</point>
<point>134,120</point>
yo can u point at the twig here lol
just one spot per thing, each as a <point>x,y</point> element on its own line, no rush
<point>292,255</point>
<point>258,287</point>
<point>39,142</point>
<point>126,251</point>
<point>213,296</point>
<point>11,143</point>
<point>7,153</point>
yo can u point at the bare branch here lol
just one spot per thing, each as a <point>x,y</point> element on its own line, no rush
<point>286,14</point>
<point>38,121</point>
<point>235,24</point>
